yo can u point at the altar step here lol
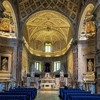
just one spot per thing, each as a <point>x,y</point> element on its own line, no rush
<point>47,95</point>
<point>48,89</point>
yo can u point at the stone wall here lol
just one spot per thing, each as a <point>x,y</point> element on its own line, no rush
<point>98,61</point>
<point>25,61</point>
<point>9,47</point>
<point>86,50</point>
<point>97,13</point>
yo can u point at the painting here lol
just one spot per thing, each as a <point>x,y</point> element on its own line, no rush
<point>90,64</point>
<point>4,63</point>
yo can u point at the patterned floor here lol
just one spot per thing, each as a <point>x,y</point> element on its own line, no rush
<point>47,95</point>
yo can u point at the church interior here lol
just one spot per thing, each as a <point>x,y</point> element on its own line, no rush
<point>49,48</point>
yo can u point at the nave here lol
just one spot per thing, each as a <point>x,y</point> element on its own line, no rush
<point>48,45</point>
<point>47,95</point>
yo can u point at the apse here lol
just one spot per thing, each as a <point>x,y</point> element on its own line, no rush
<point>47,33</point>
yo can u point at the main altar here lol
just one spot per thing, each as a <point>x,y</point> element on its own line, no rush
<point>47,82</point>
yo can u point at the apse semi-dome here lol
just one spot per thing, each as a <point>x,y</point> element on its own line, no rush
<point>47,27</point>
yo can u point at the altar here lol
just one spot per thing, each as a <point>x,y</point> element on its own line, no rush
<point>47,82</point>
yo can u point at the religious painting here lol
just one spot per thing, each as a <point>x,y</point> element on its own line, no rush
<point>4,63</point>
<point>90,64</point>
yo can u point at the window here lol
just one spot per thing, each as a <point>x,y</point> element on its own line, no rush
<point>38,66</point>
<point>48,47</point>
<point>57,65</point>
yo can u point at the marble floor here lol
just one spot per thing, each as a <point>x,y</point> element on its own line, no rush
<point>47,95</point>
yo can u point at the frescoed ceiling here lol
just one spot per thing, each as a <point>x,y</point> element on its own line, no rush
<point>47,26</point>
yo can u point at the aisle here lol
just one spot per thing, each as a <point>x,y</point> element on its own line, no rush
<point>47,95</point>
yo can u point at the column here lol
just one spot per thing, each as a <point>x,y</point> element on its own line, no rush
<point>19,61</point>
<point>98,60</point>
<point>75,62</point>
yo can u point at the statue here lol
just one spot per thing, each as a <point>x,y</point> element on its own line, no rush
<point>90,65</point>
<point>32,73</point>
<point>61,75</point>
<point>24,74</point>
<point>6,26</point>
<point>4,64</point>
<point>47,67</point>
<point>47,75</point>
<point>90,27</point>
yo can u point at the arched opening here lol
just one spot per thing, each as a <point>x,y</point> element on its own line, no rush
<point>87,25</point>
<point>86,46</point>
<point>48,27</point>
<point>48,36</point>
<point>8,24</point>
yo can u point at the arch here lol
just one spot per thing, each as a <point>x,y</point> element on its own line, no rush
<point>71,22</point>
<point>88,7</point>
<point>35,20</point>
<point>10,8</point>
<point>63,6</point>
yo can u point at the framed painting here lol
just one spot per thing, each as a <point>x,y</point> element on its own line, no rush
<point>90,64</point>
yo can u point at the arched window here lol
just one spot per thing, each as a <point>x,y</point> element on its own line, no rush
<point>57,65</point>
<point>38,66</point>
<point>48,47</point>
<point>8,24</point>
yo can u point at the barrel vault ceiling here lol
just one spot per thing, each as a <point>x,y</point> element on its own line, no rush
<point>69,7</point>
